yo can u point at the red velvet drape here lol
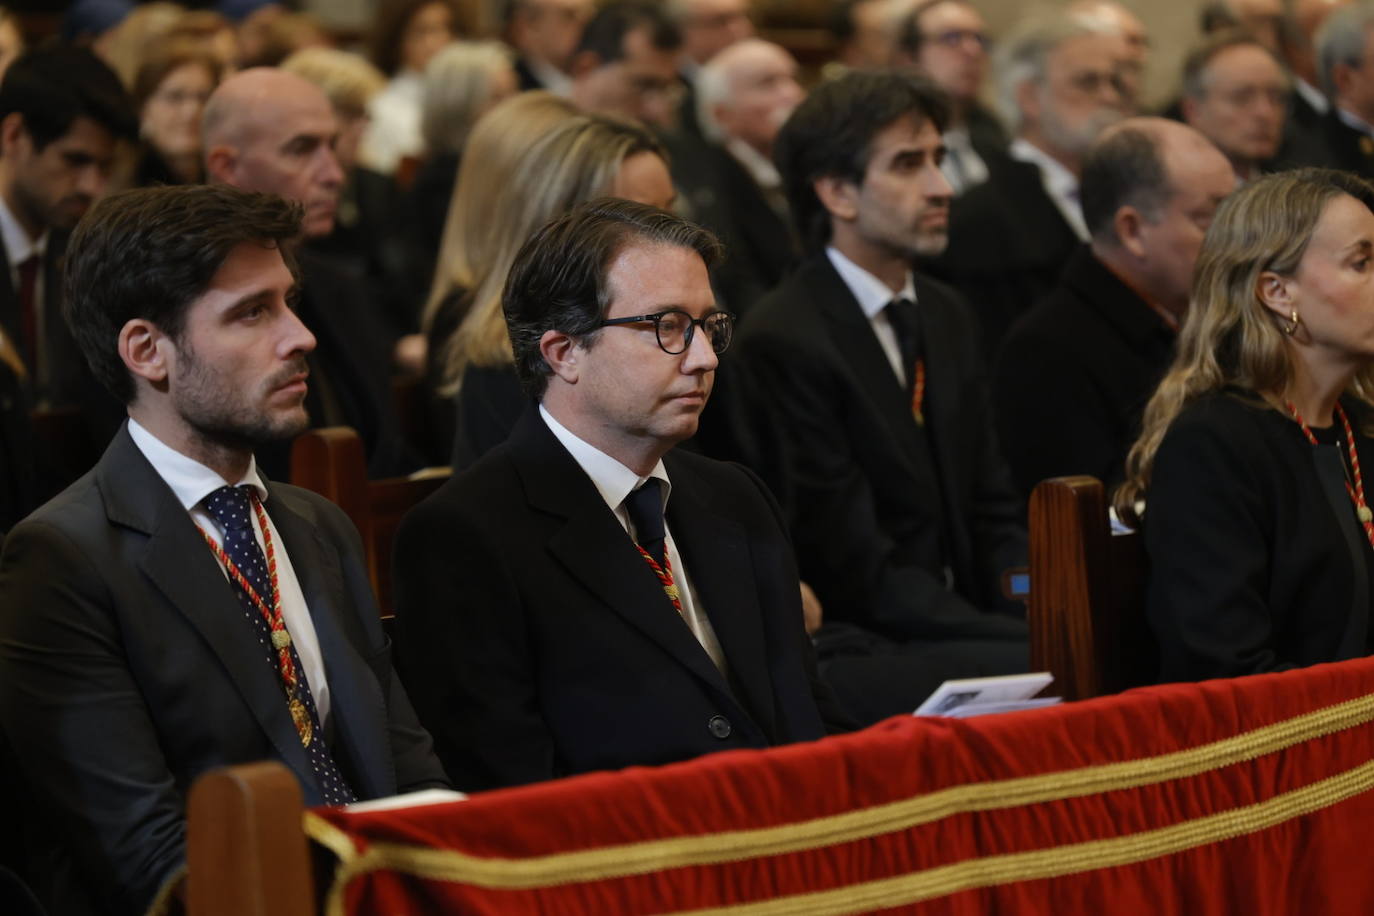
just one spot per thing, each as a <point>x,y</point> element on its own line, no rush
<point>1245,796</point>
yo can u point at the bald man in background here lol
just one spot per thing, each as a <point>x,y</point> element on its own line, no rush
<point>744,95</point>
<point>1074,374</point>
<point>272,131</point>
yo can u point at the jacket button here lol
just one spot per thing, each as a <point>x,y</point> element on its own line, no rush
<point>720,727</point>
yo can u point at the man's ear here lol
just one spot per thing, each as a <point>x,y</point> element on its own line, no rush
<point>1188,108</point>
<point>1340,78</point>
<point>839,196</point>
<point>145,350</point>
<point>1127,224</point>
<point>220,162</point>
<point>561,352</point>
<point>12,133</point>
<point>583,62</point>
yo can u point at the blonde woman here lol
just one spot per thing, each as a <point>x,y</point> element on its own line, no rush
<point>511,190</point>
<point>1257,521</point>
<point>590,156</point>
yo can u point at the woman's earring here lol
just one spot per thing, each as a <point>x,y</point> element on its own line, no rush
<point>1292,323</point>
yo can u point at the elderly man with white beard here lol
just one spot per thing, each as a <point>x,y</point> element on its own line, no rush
<point>1059,85</point>
<point>744,94</point>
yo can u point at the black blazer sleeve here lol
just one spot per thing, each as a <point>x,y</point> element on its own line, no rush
<point>1207,532</point>
<point>81,732</point>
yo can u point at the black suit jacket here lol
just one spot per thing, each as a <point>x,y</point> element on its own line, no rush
<point>538,643</point>
<point>1008,244</point>
<point>352,362</point>
<point>62,381</point>
<point>871,509</point>
<point>126,671</point>
<point>1257,562</point>
<point>760,246</point>
<point>18,470</point>
<point>1074,375</point>
<point>1346,148</point>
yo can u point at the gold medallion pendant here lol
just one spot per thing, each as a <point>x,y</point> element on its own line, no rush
<point>301,717</point>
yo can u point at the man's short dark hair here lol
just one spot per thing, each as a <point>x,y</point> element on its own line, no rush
<point>910,37</point>
<point>559,279</point>
<point>1199,59</point>
<point>1122,169</point>
<point>831,134</point>
<point>53,86</point>
<point>604,34</point>
<point>151,252</point>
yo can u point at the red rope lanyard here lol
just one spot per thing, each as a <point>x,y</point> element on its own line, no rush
<point>281,639</point>
<point>918,393</point>
<point>1356,491</point>
<point>665,575</point>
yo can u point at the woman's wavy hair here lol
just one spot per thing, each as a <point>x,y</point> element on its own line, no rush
<point>1230,338</point>
<point>575,161</point>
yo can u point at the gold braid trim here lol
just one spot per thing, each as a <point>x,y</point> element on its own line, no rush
<point>1062,860</point>
<point>731,846</point>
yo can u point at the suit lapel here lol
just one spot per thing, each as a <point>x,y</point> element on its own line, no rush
<point>595,550</point>
<point>854,338</point>
<point>716,551</point>
<point>177,561</point>
<point>9,298</point>
<point>357,708</point>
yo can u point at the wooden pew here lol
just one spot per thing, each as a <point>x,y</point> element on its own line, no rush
<point>1086,606</point>
<point>246,854</point>
<point>331,462</point>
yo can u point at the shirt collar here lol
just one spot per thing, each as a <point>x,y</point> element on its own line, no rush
<point>1311,95</point>
<point>1060,184</point>
<point>613,480</point>
<point>190,480</point>
<point>764,173</point>
<point>18,246</point>
<point>549,76</point>
<point>1354,122</point>
<point>873,294</point>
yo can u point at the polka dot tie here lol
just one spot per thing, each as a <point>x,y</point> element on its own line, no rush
<point>230,507</point>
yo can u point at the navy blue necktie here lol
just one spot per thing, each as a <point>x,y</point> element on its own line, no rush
<point>231,507</point>
<point>645,506</point>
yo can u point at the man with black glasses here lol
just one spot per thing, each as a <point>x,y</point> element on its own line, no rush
<point>586,597</point>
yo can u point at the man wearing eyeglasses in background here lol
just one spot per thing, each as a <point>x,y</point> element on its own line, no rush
<point>626,63</point>
<point>554,619</point>
<point>1059,85</point>
<point>947,41</point>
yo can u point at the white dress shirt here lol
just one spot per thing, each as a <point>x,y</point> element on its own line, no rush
<point>1311,95</point>
<point>614,481</point>
<point>1059,183</point>
<point>191,482</point>
<point>1355,122</point>
<point>963,167</point>
<point>874,296</point>
<point>394,132</point>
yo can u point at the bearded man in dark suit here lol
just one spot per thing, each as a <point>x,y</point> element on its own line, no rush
<point>905,518</point>
<point>172,611</point>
